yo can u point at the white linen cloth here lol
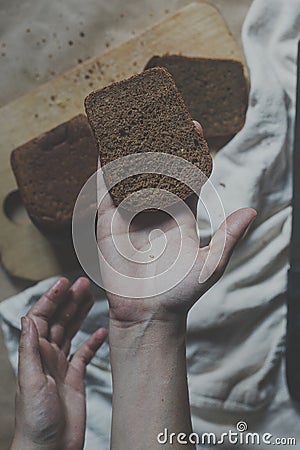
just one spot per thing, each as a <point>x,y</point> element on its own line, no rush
<point>235,348</point>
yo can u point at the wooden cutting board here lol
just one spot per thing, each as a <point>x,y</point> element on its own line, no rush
<point>196,30</point>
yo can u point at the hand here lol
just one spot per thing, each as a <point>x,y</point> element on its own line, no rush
<point>126,310</point>
<point>50,400</point>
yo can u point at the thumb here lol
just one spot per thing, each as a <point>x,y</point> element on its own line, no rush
<point>30,364</point>
<point>223,243</point>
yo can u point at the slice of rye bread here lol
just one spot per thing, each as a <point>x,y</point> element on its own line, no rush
<point>146,113</point>
<point>51,169</point>
<point>214,90</point>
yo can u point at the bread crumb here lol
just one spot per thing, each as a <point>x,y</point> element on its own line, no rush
<point>61,104</point>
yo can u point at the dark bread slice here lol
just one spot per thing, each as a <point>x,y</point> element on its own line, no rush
<point>145,113</point>
<point>51,169</point>
<point>214,91</point>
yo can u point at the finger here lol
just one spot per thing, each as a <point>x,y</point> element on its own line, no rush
<point>198,127</point>
<point>223,243</point>
<point>84,355</point>
<point>106,207</point>
<point>192,202</point>
<point>45,308</point>
<point>30,368</point>
<point>75,325</point>
<point>104,199</point>
<point>78,296</point>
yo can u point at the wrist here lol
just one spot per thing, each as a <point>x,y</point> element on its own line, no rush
<point>128,312</point>
<point>23,443</point>
<point>146,334</point>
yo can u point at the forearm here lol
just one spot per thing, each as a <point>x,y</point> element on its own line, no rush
<point>149,384</point>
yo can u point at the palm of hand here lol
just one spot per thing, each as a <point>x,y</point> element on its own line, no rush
<point>178,288</point>
<point>59,391</point>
